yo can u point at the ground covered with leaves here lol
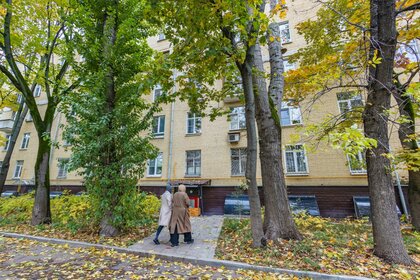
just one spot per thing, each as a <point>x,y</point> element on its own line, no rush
<point>73,219</point>
<point>329,246</point>
<point>27,259</point>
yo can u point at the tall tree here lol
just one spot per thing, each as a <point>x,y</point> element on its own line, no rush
<point>108,113</point>
<point>353,52</point>
<point>229,38</point>
<point>28,60</point>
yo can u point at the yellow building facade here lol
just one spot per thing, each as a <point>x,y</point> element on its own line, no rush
<point>211,154</point>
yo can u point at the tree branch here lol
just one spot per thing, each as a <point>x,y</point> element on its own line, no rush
<point>409,8</point>
<point>10,77</point>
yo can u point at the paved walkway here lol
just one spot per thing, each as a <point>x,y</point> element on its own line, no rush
<point>205,232</point>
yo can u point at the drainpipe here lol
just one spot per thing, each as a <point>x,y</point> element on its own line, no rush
<point>171,130</point>
<point>58,114</point>
<point>400,191</point>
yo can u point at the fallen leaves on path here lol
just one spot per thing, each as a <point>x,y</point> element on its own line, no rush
<point>27,259</point>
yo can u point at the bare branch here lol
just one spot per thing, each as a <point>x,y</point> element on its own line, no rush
<point>409,8</point>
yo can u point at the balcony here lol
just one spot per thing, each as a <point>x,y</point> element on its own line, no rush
<point>232,98</point>
<point>6,125</point>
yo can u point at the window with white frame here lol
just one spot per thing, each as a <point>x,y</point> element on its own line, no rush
<point>7,143</point>
<point>37,91</point>
<point>238,161</point>
<point>62,167</point>
<point>357,163</point>
<point>193,163</point>
<point>25,140</point>
<point>158,128</point>
<point>290,114</point>
<point>347,101</point>
<point>161,36</point>
<point>237,118</point>
<point>409,51</point>
<point>154,167</point>
<point>157,92</point>
<point>18,169</point>
<point>285,33</point>
<point>19,98</point>
<point>287,65</point>
<point>295,157</point>
<point>29,117</point>
<point>193,123</point>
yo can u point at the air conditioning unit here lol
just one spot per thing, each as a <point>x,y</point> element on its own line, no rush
<point>234,137</point>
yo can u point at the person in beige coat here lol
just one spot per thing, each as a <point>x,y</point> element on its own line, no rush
<point>165,211</point>
<point>180,220</point>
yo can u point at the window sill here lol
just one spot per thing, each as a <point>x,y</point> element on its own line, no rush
<point>161,40</point>
<point>237,130</point>
<point>158,137</point>
<point>153,176</point>
<point>192,176</point>
<point>23,149</point>
<point>15,178</point>
<point>238,175</point>
<point>358,173</point>
<point>297,174</point>
<point>291,125</point>
<point>288,42</point>
<point>61,178</point>
<point>192,134</point>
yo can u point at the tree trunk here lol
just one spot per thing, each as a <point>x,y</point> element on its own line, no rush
<point>17,125</point>
<point>258,238</point>
<point>41,213</point>
<point>278,220</point>
<point>385,223</point>
<point>109,154</point>
<point>405,130</point>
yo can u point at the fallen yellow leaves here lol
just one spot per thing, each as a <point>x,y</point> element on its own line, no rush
<point>330,246</point>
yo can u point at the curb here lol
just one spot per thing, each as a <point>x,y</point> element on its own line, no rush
<point>203,262</point>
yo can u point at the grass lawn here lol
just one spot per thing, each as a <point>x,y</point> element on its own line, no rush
<point>329,246</point>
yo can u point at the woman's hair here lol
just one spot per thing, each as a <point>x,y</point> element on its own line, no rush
<point>182,188</point>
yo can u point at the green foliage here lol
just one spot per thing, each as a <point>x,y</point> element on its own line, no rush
<point>109,118</point>
<point>76,213</point>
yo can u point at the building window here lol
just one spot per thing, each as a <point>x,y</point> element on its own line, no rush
<point>237,118</point>
<point>288,66</point>
<point>193,123</point>
<point>157,92</point>
<point>29,117</point>
<point>347,101</point>
<point>158,128</point>
<point>296,162</point>
<point>7,143</point>
<point>357,163</point>
<point>14,115</point>
<point>290,115</point>
<point>193,163</point>
<point>161,36</point>
<point>62,167</point>
<point>18,169</point>
<point>37,91</point>
<point>155,166</point>
<point>1,164</point>
<point>238,160</point>
<point>409,51</point>
<point>285,33</point>
<point>25,140</point>
<point>19,98</point>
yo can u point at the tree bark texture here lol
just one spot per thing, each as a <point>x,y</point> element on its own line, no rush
<point>109,154</point>
<point>41,213</point>
<point>258,238</point>
<point>17,125</point>
<point>278,220</point>
<point>388,242</point>
<point>406,129</point>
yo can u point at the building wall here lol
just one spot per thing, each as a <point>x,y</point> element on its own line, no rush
<point>327,167</point>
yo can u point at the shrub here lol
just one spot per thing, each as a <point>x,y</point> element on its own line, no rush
<point>76,212</point>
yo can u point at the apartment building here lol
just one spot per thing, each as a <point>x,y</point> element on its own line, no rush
<point>209,156</point>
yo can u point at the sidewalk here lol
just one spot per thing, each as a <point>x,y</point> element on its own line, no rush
<point>205,232</point>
